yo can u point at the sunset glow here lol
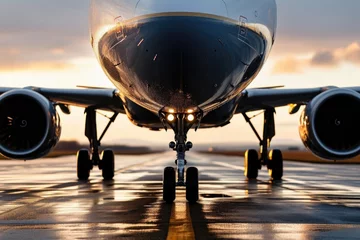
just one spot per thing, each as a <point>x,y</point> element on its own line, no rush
<point>50,47</point>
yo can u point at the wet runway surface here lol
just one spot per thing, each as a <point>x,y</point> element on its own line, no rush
<point>43,200</point>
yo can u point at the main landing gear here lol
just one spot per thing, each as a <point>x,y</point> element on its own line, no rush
<point>272,159</point>
<point>85,160</point>
<point>180,123</point>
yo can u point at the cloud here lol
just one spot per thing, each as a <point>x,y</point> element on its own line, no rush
<point>37,66</point>
<point>58,51</point>
<point>319,19</point>
<point>67,17</point>
<point>307,25</point>
<point>43,33</point>
<point>17,55</point>
<point>288,65</point>
<point>350,53</point>
<point>323,58</point>
<point>320,59</point>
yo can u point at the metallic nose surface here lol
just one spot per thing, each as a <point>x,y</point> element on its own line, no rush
<point>214,7</point>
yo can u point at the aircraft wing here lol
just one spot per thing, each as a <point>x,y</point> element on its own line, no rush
<point>104,99</point>
<point>259,99</point>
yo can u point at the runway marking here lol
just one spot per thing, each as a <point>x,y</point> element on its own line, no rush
<point>228,165</point>
<point>180,226</point>
<point>153,160</point>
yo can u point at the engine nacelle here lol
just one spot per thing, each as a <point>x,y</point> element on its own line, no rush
<point>29,125</point>
<point>330,124</point>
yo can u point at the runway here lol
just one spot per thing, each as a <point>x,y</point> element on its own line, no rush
<point>43,200</point>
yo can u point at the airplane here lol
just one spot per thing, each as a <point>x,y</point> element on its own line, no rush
<point>181,65</point>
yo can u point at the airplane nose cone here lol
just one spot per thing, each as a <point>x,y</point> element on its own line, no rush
<point>213,7</point>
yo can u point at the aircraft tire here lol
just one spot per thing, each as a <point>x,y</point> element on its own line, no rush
<point>108,164</point>
<point>169,185</point>
<point>251,164</point>
<point>275,164</point>
<point>83,164</point>
<point>192,184</point>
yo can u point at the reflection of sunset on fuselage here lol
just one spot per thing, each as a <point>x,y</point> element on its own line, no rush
<point>70,62</point>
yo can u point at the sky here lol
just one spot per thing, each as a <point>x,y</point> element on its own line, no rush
<point>46,43</point>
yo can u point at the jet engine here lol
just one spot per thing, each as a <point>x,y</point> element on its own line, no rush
<point>330,124</point>
<point>29,125</point>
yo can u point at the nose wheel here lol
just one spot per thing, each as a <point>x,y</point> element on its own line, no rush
<point>169,185</point>
<point>192,185</point>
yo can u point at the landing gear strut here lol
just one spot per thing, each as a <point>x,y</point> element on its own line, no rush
<point>87,160</point>
<point>181,124</point>
<point>272,159</point>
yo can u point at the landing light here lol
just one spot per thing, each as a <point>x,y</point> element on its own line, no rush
<point>171,110</point>
<point>190,111</point>
<point>190,117</point>
<point>170,117</point>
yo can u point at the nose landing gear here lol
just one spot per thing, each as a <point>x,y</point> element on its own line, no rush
<point>181,124</point>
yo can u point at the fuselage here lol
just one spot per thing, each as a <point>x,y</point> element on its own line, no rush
<point>182,54</point>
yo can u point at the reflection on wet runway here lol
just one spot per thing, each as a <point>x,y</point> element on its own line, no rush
<point>43,200</point>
